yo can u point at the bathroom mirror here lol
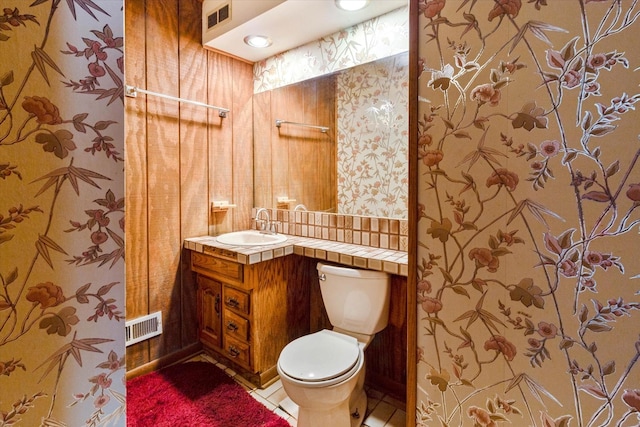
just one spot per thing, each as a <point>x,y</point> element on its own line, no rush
<point>359,165</point>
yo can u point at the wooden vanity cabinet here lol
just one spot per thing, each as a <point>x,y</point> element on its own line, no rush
<point>248,313</point>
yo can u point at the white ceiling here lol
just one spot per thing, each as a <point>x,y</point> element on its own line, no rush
<point>289,23</point>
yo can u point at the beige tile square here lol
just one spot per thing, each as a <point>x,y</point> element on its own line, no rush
<point>333,234</point>
<point>357,223</point>
<point>346,259</point>
<point>390,267</point>
<point>333,256</point>
<point>365,239</point>
<point>357,237</point>
<point>348,221</point>
<point>404,228</point>
<point>360,262</point>
<point>394,242</point>
<point>374,264</point>
<point>384,241</point>
<point>404,243</point>
<point>404,270</point>
<point>380,415</point>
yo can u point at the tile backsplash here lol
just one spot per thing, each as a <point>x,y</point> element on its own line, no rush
<point>384,233</point>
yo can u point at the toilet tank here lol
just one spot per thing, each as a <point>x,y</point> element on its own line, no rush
<point>356,300</point>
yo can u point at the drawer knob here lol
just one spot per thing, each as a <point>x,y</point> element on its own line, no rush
<point>234,352</point>
<point>232,302</point>
<point>232,326</point>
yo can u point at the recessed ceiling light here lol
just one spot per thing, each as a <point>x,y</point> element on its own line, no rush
<point>258,41</point>
<point>351,5</point>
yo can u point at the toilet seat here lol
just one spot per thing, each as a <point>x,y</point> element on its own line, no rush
<point>325,357</point>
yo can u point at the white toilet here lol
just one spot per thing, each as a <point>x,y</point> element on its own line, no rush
<point>323,373</point>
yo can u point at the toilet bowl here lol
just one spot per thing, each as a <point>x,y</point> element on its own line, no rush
<point>323,373</point>
<point>320,373</point>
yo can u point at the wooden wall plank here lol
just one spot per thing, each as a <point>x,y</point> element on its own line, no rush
<point>327,148</point>
<point>295,137</point>
<point>220,139</point>
<point>263,163</point>
<point>242,144</point>
<point>136,178</point>
<point>309,161</point>
<point>194,179</point>
<point>164,175</point>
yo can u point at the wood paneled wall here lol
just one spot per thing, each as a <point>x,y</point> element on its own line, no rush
<point>293,161</point>
<point>179,159</point>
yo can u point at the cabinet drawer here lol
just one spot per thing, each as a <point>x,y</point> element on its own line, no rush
<point>236,326</point>
<point>201,263</point>
<point>237,350</point>
<point>236,299</point>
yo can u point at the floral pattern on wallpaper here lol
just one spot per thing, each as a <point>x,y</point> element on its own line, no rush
<point>383,36</point>
<point>372,119</point>
<point>528,195</point>
<point>61,214</point>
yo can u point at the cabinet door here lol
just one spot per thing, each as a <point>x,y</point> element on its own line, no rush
<point>210,311</point>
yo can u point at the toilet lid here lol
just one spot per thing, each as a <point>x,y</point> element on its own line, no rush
<point>319,356</point>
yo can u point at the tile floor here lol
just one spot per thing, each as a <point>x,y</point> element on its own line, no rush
<point>382,410</point>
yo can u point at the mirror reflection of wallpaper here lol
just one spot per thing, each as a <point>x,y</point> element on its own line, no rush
<point>372,120</point>
<point>377,38</point>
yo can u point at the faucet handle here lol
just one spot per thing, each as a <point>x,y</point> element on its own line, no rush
<point>274,226</point>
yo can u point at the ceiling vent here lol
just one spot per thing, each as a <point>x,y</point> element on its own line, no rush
<point>218,16</point>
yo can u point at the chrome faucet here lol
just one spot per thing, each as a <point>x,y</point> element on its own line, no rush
<point>267,226</point>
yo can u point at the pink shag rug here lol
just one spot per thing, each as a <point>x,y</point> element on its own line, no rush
<point>194,394</point>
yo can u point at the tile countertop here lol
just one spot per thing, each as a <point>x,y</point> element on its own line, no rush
<point>387,260</point>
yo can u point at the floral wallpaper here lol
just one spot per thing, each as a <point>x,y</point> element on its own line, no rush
<point>529,196</point>
<point>386,35</point>
<point>372,120</point>
<point>61,213</point>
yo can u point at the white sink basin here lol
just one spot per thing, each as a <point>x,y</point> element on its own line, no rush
<point>250,238</point>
